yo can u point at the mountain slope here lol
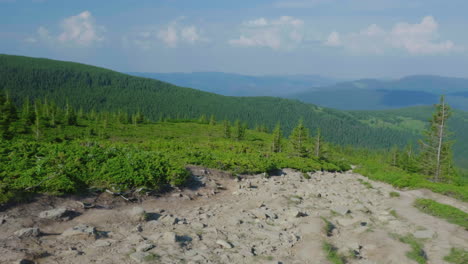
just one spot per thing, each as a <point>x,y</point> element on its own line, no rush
<point>371,94</point>
<point>241,85</point>
<point>96,88</point>
<point>416,119</point>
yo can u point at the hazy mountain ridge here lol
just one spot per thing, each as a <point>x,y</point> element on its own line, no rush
<point>242,85</point>
<point>372,94</point>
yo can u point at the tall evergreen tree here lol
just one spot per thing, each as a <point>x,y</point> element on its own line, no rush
<point>277,137</point>
<point>212,120</point>
<point>226,129</point>
<point>318,144</point>
<point>436,155</point>
<point>298,138</point>
<point>240,130</point>
<point>8,115</point>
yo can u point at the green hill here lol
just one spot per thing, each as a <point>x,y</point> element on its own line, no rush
<point>90,87</point>
<point>101,89</point>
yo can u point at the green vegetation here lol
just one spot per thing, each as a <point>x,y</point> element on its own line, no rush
<point>332,254</point>
<point>67,127</point>
<point>45,153</point>
<point>394,194</point>
<point>436,148</point>
<point>417,252</point>
<point>366,183</point>
<point>92,88</point>
<point>457,256</point>
<point>447,212</point>
<point>329,227</point>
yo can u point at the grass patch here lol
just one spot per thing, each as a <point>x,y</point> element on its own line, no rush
<point>417,252</point>
<point>394,194</point>
<point>332,254</point>
<point>444,211</point>
<point>329,227</point>
<point>152,257</point>
<point>394,213</point>
<point>366,183</point>
<point>457,256</point>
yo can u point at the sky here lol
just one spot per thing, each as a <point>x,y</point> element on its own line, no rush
<point>333,38</point>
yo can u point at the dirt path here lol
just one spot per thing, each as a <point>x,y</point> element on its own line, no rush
<point>255,220</point>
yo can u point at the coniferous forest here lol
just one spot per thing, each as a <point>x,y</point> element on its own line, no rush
<point>68,128</point>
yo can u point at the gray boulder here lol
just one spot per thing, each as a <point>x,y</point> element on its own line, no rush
<point>28,232</point>
<point>55,214</point>
<point>81,231</point>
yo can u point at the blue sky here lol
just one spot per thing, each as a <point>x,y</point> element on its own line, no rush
<point>337,38</point>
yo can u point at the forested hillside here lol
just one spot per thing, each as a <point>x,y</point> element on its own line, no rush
<point>416,119</point>
<point>89,87</point>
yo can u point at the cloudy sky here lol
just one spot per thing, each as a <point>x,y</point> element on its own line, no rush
<point>336,38</point>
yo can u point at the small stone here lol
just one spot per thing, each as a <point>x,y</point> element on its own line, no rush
<point>423,234</point>
<point>54,214</point>
<point>341,210</point>
<point>137,214</point>
<point>28,232</point>
<point>139,228</point>
<point>197,225</point>
<point>102,243</point>
<point>145,247</point>
<point>169,238</point>
<point>297,214</point>
<point>81,230</point>
<point>140,257</point>
<point>224,243</point>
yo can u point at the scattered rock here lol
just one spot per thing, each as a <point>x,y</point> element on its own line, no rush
<point>224,243</point>
<point>102,243</point>
<point>297,213</point>
<point>145,247</point>
<point>169,238</point>
<point>341,210</point>
<point>81,231</point>
<point>423,234</point>
<point>137,214</point>
<point>56,214</point>
<point>197,225</point>
<point>140,257</point>
<point>28,232</point>
<point>139,228</point>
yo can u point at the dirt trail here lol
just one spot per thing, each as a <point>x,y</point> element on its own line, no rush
<point>255,220</point>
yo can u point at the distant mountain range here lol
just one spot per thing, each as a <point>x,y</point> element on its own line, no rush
<point>365,94</point>
<point>371,94</point>
<point>242,85</point>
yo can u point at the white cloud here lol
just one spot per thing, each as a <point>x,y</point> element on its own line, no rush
<point>282,33</point>
<point>333,40</point>
<point>416,39</point>
<point>190,34</point>
<point>169,36</point>
<point>81,30</point>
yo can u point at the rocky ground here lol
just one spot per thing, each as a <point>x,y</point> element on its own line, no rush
<point>251,219</point>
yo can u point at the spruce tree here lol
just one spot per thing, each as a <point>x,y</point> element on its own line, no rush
<point>227,129</point>
<point>277,137</point>
<point>212,120</point>
<point>436,148</point>
<point>240,130</point>
<point>318,144</point>
<point>298,138</point>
